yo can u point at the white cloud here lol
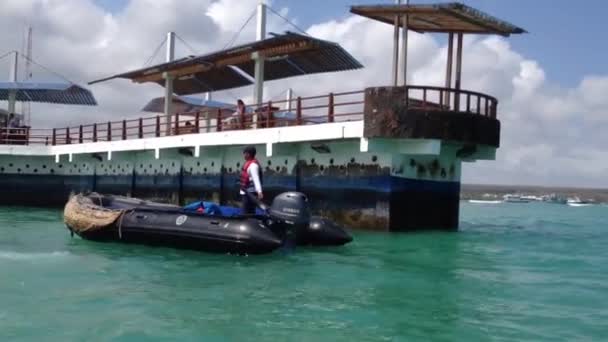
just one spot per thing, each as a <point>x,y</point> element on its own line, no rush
<point>550,134</point>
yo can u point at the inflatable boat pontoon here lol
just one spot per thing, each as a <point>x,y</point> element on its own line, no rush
<point>287,221</point>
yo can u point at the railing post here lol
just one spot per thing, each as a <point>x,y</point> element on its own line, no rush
<point>54,138</point>
<point>197,125</point>
<point>268,114</point>
<point>330,108</point>
<point>176,124</point>
<point>27,136</point>
<point>494,108</point>
<point>67,135</point>
<point>80,134</point>
<point>94,132</point>
<point>441,103</point>
<point>124,129</point>
<point>141,128</point>
<point>486,113</point>
<point>468,103</point>
<point>109,131</point>
<point>424,98</point>
<point>478,104</point>
<point>157,131</point>
<point>219,120</point>
<point>457,101</point>
<point>299,111</point>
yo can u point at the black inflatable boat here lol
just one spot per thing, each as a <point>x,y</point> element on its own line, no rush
<point>287,222</point>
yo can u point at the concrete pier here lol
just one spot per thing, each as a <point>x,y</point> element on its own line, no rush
<point>359,173</point>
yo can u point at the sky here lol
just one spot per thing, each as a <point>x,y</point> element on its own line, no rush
<point>551,83</point>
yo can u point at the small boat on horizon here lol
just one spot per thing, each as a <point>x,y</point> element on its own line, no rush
<point>485,201</point>
<point>510,198</point>
<point>577,202</point>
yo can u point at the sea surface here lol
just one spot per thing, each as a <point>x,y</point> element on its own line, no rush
<point>514,272</point>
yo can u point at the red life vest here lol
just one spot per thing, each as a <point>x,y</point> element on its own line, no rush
<point>245,176</point>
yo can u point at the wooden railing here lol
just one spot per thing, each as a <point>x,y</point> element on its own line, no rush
<point>454,100</point>
<point>333,107</point>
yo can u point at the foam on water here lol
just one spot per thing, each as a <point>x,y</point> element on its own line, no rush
<point>17,256</point>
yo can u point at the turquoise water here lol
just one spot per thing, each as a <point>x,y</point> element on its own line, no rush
<point>533,272</point>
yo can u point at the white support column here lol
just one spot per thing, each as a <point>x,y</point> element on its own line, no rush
<point>395,71</point>
<point>404,46</point>
<point>12,94</point>
<point>169,82</point>
<point>208,114</point>
<point>364,144</point>
<point>288,99</point>
<point>258,90</point>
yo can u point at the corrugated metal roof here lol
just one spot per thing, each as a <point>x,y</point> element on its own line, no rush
<point>287,55</point>
<point>62,93</point>
<point>445,17</point>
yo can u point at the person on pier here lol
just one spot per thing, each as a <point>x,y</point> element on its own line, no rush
<point>250,181</point>
<point>238,119</point>
<point>13,121</point>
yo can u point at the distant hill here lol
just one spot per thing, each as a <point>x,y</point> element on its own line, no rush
<point>477,191</point>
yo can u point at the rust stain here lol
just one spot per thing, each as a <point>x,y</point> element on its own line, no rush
<point>355,219</point>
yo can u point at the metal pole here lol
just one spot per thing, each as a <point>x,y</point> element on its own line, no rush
<point>258,91</point>
<point>289,97</point>
<point>404,46</point>
<point>395,72</point>
<point>261,21</point>
<point>169,82</point>
<point>207,112</point>
<point>12,94</point>
<point>458,71</point>
<point>448,72</point>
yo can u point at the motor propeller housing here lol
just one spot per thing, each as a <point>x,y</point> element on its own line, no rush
<point>291,208</point>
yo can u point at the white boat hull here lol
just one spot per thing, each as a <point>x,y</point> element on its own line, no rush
<point>484,202</point>
<point>579,204</point>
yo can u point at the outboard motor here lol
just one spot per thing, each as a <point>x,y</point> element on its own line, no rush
<point>290,216</point>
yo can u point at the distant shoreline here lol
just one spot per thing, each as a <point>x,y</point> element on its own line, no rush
<point>477,191</point>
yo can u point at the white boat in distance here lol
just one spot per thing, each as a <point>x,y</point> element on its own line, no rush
<point>484,202</point>
<point>577,202</point>
<point>510,198</point>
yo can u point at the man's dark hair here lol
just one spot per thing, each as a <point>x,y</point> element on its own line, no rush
<point>250,149</point>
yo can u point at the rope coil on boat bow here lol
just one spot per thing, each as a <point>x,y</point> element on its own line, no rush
<point>123,213</point>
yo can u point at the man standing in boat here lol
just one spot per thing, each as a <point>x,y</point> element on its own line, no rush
<point>250,181</point>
